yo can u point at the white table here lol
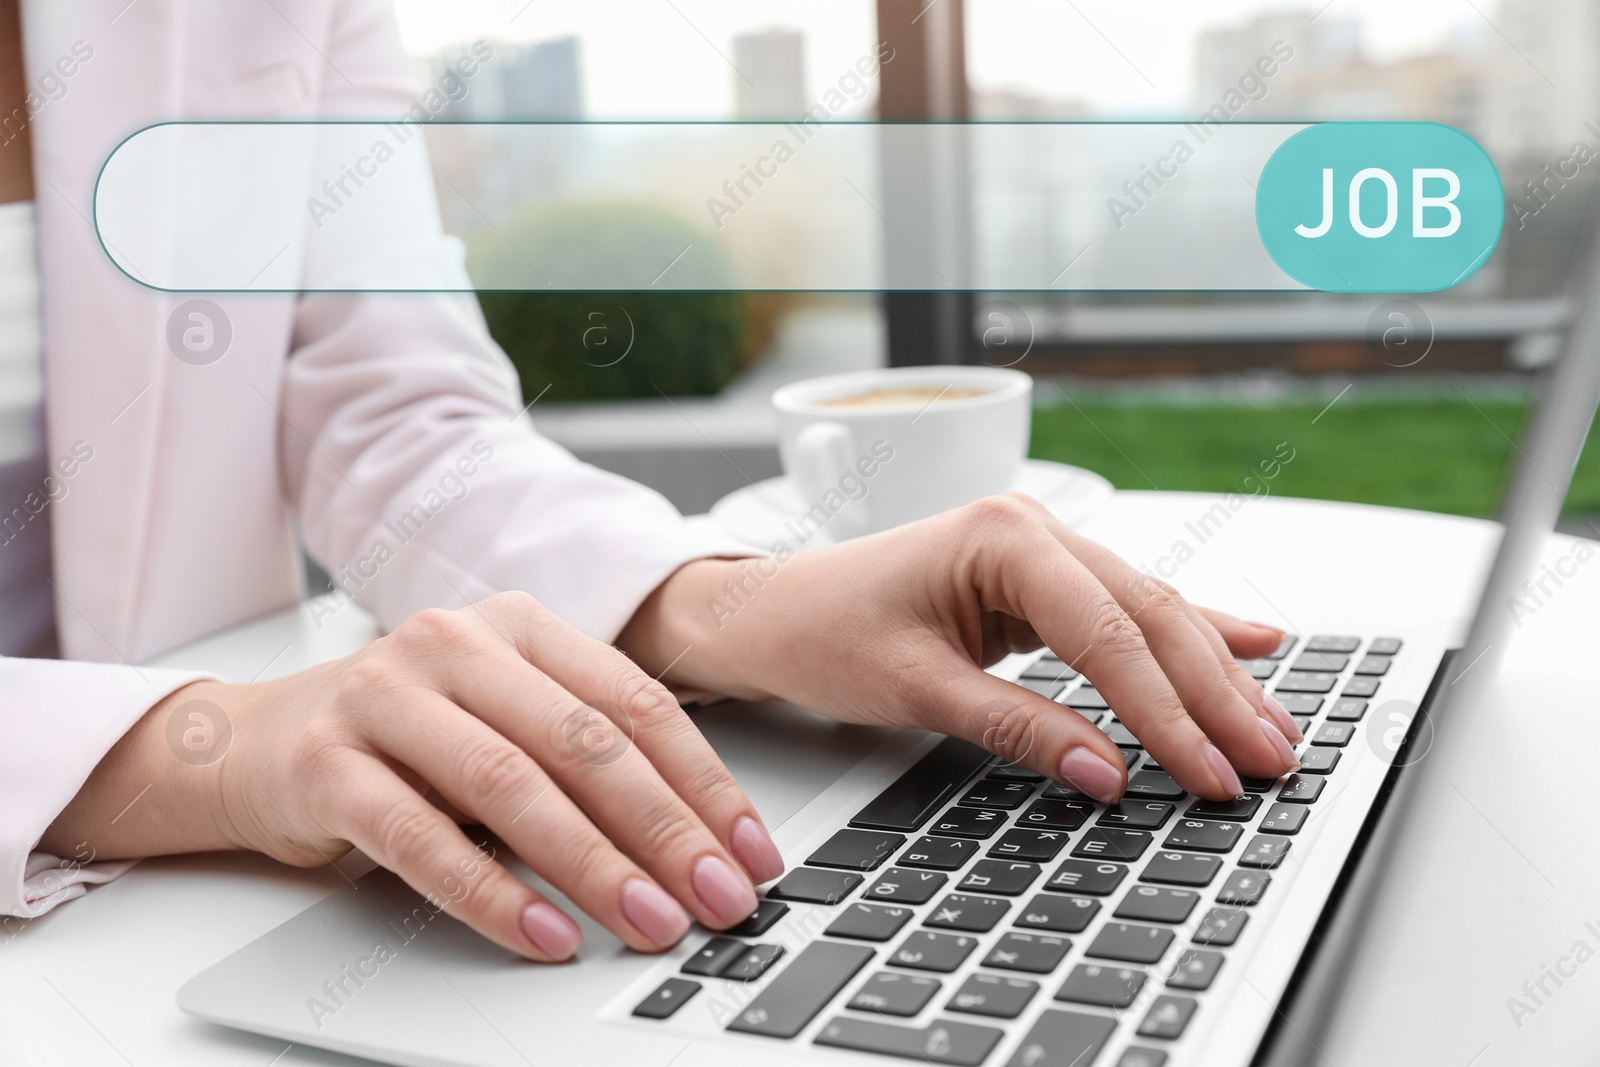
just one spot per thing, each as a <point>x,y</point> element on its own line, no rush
<point>1492,897</point>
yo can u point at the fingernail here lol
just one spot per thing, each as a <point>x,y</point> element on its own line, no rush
<point>653,913</point>
<point>1280,743</point>
<point>1281,716</point>
<point>1269,627</point>
<point>753,847</point>
<point>727,893</point>
<point>1227,777</point>
<point>556,935</point>
<point>1088,773</point>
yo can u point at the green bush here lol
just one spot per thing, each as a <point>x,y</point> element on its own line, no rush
<point>612,345</point>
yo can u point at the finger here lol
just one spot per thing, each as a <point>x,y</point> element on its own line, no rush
<point>1253,746</point>
<point>623,794</point>
<point>604,678</point>
<point>390,822</point>
<point>1020,566</point>
<point>1265,703</point>
<point>1247,640</point>
<point>482,772</point>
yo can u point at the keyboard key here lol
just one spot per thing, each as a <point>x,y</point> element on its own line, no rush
<point>666,999</point>
<point>1384,646</point>
<point>1203,835</point>
<point>1033,953</point>
<point>1168,1016</point>
<point>753,964</point>
<point>1181,868</point>
<point>869,922</point>
<point>1050,669</point>
<point>1056,814</point>
<point>1221,926</point>
<point>1259,669</point>
<point>888,993</point>
<point>1374,665</point>
<point>1136,814</point>
<point>1300,703</point>
<point>1110,842</point>
<point>927,951</point>
<point>1080,876</point>
<point>1299,789</point>
<point>1057,791</point>
<point>856,850</point>
<point>1049,688</point>
<point>900,885</point>
<point>1243,887</point>
<point>939,1042</point>
<point>793,998</point>
<point>1363,686</point>
<point>1196,969</point>
<point>1306,682</point>
<point>978,823</point>
<point>1301,723</point>
<point>1040,846</point>
<point>1010,772</point>
<point>1130,943</point>
<point>714,956</point>
<point>760,921</point>
<point>1061,914</point>
<point>1347,709</point>
<point>1337,734</point>
<point>1264,853</point>
<point>1239,809</point>
<point>1316,759</point>
<point>815,886</point>
<point>1008,878</point>
<point>1333,662</point>
<point>911,799</point>
<point>1136,1056</point>
<point>1284,819</point>
<point>960,911</point>
<point>990,793</point>
<point>1257,785</point>
<point>1152,785</point>
<point>1109,987</point>
<point>1286,647</point>
<point>938,853</point>
<point>1063,1039</point>
<point>1327,643</point>
<point>990,994</point>
<point>1086,698</point>
<point>1120,735</point>
<point>1149,903</point>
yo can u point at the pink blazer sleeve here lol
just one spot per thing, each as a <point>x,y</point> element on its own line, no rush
<point>58,719</point>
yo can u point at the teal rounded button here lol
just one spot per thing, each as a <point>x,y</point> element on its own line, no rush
<point>1379,207</point>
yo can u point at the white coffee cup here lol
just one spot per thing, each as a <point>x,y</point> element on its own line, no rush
<point>875,449</point>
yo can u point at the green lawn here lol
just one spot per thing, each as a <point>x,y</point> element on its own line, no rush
<point>1435,453</point>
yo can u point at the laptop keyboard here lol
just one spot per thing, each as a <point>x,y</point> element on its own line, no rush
<point>980,890</point>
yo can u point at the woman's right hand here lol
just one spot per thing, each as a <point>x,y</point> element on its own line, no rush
<point>582,764</point>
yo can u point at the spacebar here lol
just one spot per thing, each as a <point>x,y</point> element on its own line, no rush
<point>802,989</point>
<point>912,798</point>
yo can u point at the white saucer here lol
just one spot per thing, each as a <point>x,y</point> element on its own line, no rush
<point>758,513</point>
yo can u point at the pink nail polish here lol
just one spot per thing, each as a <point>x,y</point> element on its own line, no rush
<point>1088,773</point>
<point>727,893</point>
<point>1281,743</point>
<point>753,847</point>
<point>1282,718</point>
<point>555,934</point>
<point>653,913</point>
<point>1227,777</point>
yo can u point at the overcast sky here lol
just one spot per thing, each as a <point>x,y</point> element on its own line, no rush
<point>670,58</point>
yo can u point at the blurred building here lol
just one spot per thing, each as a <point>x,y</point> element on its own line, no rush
<point>541,81</point>
<point>770,77</point>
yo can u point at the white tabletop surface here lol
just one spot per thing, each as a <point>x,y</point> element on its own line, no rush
<point>1497,894</point>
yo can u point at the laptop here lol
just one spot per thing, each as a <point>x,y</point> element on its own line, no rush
<point>942,906</point>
